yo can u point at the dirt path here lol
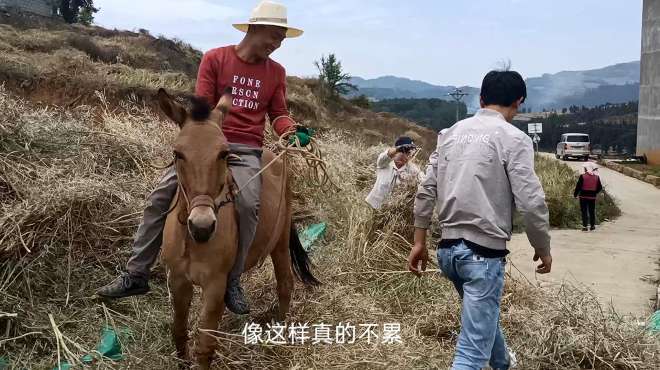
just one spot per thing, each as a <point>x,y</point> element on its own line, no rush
<point>613,261</point>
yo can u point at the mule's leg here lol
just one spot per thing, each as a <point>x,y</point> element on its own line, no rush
<point>182,292</point>
<point>213,306</point>
<point>282,266</point>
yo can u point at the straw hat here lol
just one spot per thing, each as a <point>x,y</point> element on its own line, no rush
<point>269,13</point>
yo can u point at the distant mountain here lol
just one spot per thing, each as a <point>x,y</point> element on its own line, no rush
<point>614,94</point>
<point>613,84</point>
<point>590,88</point>
<point>391,87</point>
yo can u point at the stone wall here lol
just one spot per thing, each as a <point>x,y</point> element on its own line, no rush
<point>628,171</point>
<point>41,7</point>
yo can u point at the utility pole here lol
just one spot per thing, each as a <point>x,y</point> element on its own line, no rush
<point>458,95</point>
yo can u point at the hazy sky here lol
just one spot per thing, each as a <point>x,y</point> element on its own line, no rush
<point>438,41</point>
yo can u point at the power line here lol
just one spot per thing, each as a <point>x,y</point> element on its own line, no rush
<point>458,96</point>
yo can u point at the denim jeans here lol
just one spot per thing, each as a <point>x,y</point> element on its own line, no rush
<point>479,281</point>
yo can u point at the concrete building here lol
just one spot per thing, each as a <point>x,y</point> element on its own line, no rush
<point>41,7</point>
<point>648,129</point>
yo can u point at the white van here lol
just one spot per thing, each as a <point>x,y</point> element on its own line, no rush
<point>574,145</point>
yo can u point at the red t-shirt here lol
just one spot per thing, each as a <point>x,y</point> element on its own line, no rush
<point>257,89</point>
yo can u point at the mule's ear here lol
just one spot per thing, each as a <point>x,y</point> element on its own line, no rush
<point>225,101</point>
<point>171,108</point>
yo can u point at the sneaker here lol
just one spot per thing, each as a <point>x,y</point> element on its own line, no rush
<point>585,229</point>
<point>235,298</point>
<point>593,228</point>
<point>513,362</point>
<point>124,286</point>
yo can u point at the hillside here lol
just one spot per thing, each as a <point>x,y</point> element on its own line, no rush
<point>618,83</point>
<point>70,62</point>
<point>611,127</point>
<point>69,65</point>
<point>436,114</point>
<point>613,84</point>
<point>391,87</point>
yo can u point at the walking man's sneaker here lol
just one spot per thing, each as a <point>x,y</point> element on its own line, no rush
<point>124,286</point>
<point>593,228</point>
<point>235,298</point>
<point>513,362</point>
<point>585,229</point>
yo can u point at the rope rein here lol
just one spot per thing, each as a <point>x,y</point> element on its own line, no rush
<point>318,173</point>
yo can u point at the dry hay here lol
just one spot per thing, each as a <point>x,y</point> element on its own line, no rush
<point>75,185</point>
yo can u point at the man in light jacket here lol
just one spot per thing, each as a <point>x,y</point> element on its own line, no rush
<point>393,167</point>
<point>484,164</point>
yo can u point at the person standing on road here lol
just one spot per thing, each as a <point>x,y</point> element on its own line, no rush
<point>587,189</point>
<point>483,165</point>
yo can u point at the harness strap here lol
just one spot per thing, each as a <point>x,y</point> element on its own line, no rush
<point>204,200</point>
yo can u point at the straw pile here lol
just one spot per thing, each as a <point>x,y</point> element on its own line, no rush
<point>72,185</point>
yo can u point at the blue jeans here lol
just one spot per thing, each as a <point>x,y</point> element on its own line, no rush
<point>479,281</point>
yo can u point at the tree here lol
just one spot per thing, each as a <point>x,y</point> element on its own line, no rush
<point>434,113</point>
<point>333,80</point>
<point>78,11</point>
<point>86,16</point>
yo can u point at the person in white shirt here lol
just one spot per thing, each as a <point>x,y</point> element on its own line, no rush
<point>392,169</point>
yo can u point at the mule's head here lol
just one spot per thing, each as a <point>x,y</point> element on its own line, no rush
<point>200,153</point>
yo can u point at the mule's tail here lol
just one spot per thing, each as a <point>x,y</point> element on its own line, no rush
<point>300,260</point>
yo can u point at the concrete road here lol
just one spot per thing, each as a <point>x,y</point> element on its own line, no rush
<point>617,260</point>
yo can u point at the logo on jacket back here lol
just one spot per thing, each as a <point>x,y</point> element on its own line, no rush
<point>471,138</point>
<point>462,145</point>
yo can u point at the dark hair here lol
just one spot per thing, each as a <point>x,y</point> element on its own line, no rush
<point>503,88</point>
<point>200,110</point>
<point>403,140</point>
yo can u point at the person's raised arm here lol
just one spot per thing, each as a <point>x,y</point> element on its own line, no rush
<point>385,158</point>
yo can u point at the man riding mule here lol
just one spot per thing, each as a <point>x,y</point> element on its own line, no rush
<point>257,87</point>
<point>201,235</point>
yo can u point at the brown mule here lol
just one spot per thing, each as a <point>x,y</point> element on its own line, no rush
<point>200,239</point>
